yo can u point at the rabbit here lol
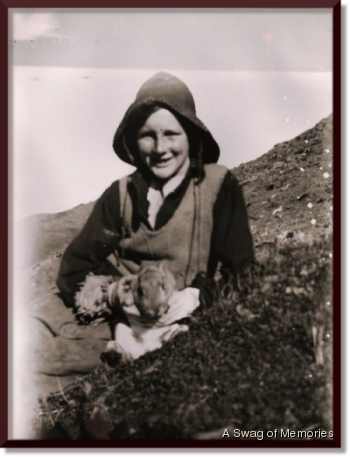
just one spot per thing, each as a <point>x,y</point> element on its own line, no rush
<point>149,290</point>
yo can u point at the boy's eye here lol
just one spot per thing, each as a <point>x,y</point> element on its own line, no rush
<point>145,134</point>
<point>171,133</point>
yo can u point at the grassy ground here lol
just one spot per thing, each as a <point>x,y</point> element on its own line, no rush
<point>257,358</point>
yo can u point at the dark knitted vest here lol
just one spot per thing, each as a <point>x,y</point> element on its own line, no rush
<point>183,243</point>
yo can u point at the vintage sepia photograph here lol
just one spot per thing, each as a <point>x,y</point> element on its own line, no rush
<point>171,200</point>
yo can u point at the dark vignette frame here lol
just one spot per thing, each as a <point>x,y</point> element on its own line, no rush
<point>335,5</point>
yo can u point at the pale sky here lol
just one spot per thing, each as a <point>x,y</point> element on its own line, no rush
<point>215,39</point>
<point>258,78</point>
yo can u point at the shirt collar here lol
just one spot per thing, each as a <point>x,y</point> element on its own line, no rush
<point>176,180</point>
<point>139,186</point>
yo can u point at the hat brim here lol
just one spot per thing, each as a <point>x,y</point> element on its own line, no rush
<point>210,151</point>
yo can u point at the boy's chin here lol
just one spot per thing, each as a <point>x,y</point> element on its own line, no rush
<point>163,174</point>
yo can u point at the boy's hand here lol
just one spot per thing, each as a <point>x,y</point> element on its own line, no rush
<point>207,288</point>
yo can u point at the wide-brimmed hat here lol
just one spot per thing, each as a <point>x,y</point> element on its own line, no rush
<point>167,91</point>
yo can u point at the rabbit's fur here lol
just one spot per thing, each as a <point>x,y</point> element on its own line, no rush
<point>149,290</point>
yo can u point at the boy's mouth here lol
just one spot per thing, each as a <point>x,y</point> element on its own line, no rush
<point>162,163</point>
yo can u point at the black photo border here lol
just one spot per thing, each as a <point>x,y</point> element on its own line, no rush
<point>5,5</point>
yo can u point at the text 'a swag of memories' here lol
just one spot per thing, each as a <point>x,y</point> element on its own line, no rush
<point>277,433</point>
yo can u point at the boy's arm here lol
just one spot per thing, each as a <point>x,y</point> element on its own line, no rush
<point>87,253</point>
<point>231,241</point>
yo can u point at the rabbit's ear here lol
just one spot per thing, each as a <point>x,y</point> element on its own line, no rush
<point>163,267</point>
<point>171,282</point>
<point>128,282</point>
<point>168,277</point>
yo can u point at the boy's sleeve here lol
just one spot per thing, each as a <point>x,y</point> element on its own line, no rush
<point>231,242</point>
<point>89,250</point>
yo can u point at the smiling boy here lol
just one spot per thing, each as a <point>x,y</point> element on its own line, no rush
<point>178,207</point>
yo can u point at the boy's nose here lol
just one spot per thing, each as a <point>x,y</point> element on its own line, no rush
<point>160,147</point>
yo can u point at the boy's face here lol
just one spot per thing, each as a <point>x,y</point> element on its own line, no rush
<point>163,144</point>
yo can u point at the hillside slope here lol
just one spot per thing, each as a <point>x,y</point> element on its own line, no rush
<point>288,190</point>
